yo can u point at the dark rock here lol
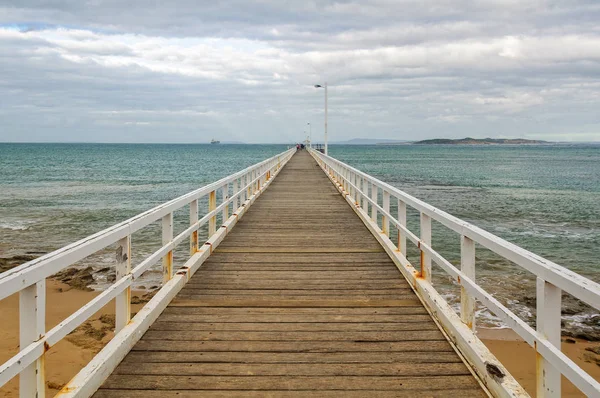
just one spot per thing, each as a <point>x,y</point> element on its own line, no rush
<point>7,263</point>
<point>595,350</point>
<point>589,335</point>
<point>77,278</point>
<point>570,341</point>
<point>108,319</point>
<point>135,300</point>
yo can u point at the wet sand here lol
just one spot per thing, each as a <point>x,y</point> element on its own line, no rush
<point>64,360</point>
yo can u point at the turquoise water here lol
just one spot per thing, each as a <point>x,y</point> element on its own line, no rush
<point>543,198</point>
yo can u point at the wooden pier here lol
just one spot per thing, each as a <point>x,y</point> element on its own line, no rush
<point>298,300</point>
<point>303,288</point>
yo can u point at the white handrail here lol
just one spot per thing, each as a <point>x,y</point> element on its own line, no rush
<point>552,278</point>
<point>29,279</point>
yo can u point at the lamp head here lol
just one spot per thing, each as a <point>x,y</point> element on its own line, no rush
<point>318,86</point>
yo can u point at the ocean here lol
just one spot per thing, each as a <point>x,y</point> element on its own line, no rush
<point>544,198</point>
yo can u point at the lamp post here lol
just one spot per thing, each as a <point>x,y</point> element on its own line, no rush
<point>309,135</point>
<point>325,87</point>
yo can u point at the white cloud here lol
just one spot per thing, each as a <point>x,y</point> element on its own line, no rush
<point>389,64</point>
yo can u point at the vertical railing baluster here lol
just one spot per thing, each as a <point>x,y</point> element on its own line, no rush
<point>402,221</point>
<point>123,268</point>
<point>548,323</point>
<point>362,194</point>
<point>32,318</point>
<point>212,221</point>
<point>385,221</point>
<point>167,237</point>
<point>425,238</point>
<point>467,266</point>
<point>374,199</point>
<point>356,189</point>
<point>236,189</point>
<point>224,195</point>
<point>194,220</point>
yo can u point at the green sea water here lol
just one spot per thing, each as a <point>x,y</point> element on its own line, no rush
<point>543,198</point>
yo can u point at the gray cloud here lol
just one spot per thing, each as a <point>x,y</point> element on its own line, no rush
<point>240,70</point>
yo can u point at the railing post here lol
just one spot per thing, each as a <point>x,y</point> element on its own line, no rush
<point>425,238</point>
<point>467,266</point>
<point>236,190</point>
<point>225,211</point>
<point>212,222</point>
<point>363,202</point>
<point>374,199</point>
<point>123,268</point>
<point>385,221</point>
<point>193,220</point>
<point>32,318</point>
<point>167,237</point>
<point>548,303</point>
<point>402,221</point>
<point>356,190</point>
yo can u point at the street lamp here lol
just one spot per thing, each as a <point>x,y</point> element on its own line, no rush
<point>309,134</point>
<point>325,87</point>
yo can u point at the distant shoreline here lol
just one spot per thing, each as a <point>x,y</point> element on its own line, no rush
<point>480,141</point>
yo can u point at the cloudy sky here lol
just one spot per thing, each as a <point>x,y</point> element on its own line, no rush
<point>187,71</point>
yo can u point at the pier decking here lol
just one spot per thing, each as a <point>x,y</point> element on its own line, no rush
<point>298,300</point>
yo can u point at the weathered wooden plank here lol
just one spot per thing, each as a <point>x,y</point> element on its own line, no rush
<point>291,370</point>
<point>286,284</point>
<point>289,326</point>
<point>293,303</point>
<point>188,295</point>
<point>197,335</point>
<point>168,382</point>
<point>292,346</point>
<point>297,249</point>
<point>285,394</point>
<point>404,310</point>
<point>295,258</point>
<point>394,293</point>
<point>292,357</point>
<point>291,318</point>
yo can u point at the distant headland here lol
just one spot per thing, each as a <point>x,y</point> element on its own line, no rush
<point>480,141</point>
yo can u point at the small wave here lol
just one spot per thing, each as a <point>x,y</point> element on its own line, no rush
<point>16,225</point>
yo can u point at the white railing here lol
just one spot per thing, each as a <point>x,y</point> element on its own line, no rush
<point>365,192</point>
<point>238,192</point>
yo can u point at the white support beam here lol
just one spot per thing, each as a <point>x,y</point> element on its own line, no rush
<point>32,318</point>
<point>123,268</point>
<point>426,238</point>
<point>167,236</point>
<point>548,303</point>
<point>402,220</point>
<point>374,199</point>
<point>194,220</point>
<point>385,221</point>
<point>467,266</point>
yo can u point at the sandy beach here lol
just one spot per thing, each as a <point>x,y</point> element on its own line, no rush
<point>65,359</point>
